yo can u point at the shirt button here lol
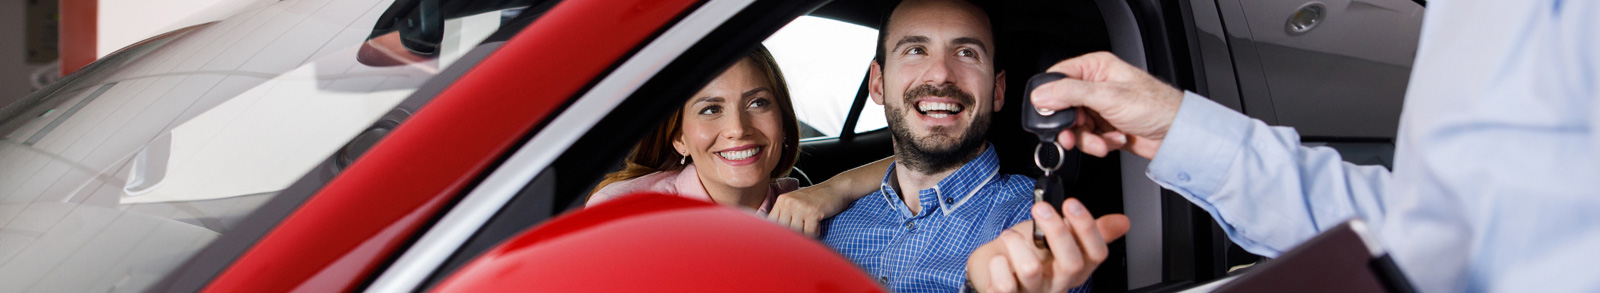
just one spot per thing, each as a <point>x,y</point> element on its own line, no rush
<point>949,200</point>
<point>1183,176</point>
<point>911,225</point>
<point>883,280</point>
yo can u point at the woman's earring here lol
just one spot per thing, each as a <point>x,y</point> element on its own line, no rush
<point>684,160</point>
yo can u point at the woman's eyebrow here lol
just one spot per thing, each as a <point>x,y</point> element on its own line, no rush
<point>753,92</point>
<point>712,99</point>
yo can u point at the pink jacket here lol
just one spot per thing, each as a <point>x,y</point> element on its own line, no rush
<point>685,183</point>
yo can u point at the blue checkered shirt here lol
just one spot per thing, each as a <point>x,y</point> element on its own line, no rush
<point>927,252</point>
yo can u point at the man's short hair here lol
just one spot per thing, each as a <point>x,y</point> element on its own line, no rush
<point>888,11</point>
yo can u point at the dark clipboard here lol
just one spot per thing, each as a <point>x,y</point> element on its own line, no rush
<point>1343,259</point>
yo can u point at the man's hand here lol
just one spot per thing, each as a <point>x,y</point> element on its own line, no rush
<point>804,209</point>
<point>1120,106</point>
<point>1011,263</point>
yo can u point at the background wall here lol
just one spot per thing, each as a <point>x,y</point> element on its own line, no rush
<point>14,66</point>
<point>114,24</point>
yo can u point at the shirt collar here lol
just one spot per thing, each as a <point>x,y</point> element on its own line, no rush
<point>688,184</point>
<point>955,190</point>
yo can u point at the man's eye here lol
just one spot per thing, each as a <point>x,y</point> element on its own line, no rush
<point>915,51</point>
<point>711,110</point>
<point>967,53</point>
<point>759,103</point>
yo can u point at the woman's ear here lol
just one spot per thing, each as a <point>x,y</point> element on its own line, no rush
<point>677,144</point>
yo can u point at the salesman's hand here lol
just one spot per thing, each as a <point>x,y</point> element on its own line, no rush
<point>1011,263</point>
<point>1120,106</point>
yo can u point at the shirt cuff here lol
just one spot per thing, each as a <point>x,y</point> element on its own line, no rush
<point>1200,146</point>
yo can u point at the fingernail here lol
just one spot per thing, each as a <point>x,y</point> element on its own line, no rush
<point>1076,208</point>
<point>1121,139</point>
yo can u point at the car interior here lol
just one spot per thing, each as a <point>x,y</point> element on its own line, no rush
<point>1337,92</point>
<point>1173,245</point>
<point>1031,36</point>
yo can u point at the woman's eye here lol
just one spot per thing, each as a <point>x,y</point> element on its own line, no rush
<point>711,110</point>
<point>759,103</point>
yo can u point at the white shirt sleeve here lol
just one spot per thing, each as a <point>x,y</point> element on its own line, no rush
<point>1267,191</point>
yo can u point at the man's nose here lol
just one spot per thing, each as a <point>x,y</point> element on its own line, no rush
<point>938,72</point>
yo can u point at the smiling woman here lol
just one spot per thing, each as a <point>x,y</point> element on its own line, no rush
<point>732,143</point>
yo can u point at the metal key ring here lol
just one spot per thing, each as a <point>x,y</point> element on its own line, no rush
<point>1061,155</point>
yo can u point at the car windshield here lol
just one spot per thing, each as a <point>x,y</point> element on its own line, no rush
<point>114,176</point>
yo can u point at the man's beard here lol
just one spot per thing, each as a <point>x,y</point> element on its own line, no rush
<point>932,154</point>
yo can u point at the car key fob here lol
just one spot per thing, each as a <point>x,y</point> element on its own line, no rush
<point>1045,123</point>
<point>1047,189</point>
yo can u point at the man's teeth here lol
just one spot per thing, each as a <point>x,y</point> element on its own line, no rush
<point>944,109</point>
<point>740,154</point>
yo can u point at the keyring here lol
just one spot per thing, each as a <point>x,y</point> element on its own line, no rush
<point>1061,155</point>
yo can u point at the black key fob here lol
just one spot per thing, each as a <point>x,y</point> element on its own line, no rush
<point>1046,124</point>
<point>1049,190</point>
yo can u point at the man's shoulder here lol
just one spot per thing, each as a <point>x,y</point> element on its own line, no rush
<point>1012,185</point>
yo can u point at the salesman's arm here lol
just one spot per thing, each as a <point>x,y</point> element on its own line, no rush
<point>1267,191</point>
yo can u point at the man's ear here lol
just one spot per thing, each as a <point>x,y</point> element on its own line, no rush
<point>875,82</point>
<point>999,90</point>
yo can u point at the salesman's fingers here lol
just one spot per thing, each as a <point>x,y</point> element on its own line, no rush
<point>1065,93</point>
<point>1097,66</point>
<point>1114,140</point>
<point>1025,260</point>
<point>1092,144</point>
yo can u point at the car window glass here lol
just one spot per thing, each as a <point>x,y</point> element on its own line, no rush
<point>114,177</point>
<point>824,61</point>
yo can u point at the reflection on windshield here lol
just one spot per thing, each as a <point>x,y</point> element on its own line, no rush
<point>111,178</point>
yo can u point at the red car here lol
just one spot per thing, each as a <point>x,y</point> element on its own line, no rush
<point>411,145</point>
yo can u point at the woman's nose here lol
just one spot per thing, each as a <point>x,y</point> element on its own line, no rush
<point>738,127</point>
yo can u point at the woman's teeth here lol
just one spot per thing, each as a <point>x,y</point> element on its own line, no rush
<point>740,154</point>
<point>938,109</point>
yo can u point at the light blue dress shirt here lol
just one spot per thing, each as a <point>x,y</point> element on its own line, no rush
<point>927,252</point>
<point>1496,182</point>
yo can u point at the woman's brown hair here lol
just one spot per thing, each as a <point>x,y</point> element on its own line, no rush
<point>654,153</point>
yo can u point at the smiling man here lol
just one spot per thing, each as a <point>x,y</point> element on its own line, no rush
<point>943,197</point>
